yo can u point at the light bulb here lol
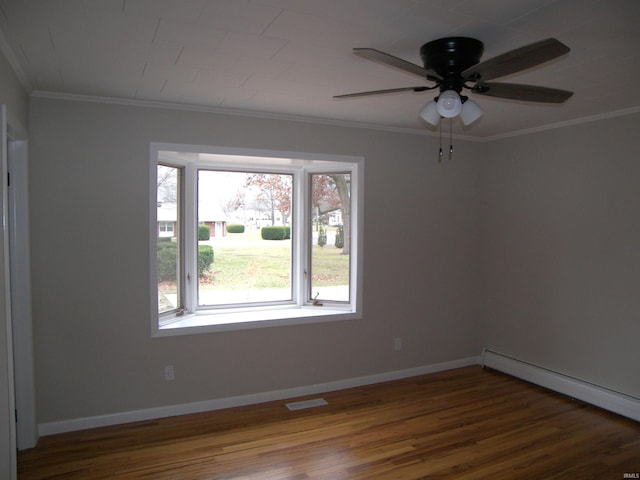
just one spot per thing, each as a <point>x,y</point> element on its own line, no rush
<point>449,104</point>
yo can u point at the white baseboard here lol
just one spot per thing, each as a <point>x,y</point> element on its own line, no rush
<point>593,394</point>
<point>605,398</point>
<point>51,428</point>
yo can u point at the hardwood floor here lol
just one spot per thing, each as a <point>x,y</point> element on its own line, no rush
<point>467,423</point>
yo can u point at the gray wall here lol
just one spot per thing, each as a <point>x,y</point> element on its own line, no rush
<point>561,250</point>
<point>527,245</point>
<point>13,94</point>
<point>89,226</point>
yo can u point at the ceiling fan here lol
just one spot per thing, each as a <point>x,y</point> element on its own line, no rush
<point>454,62</point>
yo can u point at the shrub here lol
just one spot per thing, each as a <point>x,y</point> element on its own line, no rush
<point>204,233</point>
<point>235,228</point>
<point>205,258</point>
<point>275,232</point>
<point>287,232</point>
<point>322,237</point>
<point>340,237</point>
<point>166,260</point>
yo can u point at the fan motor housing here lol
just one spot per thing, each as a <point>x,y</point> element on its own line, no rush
<point>449,57</point>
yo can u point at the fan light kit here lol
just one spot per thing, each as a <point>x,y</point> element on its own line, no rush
<point>453,63</point>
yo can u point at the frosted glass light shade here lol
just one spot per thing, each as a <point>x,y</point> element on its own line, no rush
<point>471,112</point>
<point>430,113</point>
<point>449,104</point>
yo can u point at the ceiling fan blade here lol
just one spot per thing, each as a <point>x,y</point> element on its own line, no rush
<point>516,60</point>
<point>519,91</point>
<point>385,58</point>
<point>380,92</point>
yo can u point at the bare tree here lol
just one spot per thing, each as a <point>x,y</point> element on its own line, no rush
<point>167,184</point>
<point>274,193</point>
<point>343,182</point>
<point>332,192</point>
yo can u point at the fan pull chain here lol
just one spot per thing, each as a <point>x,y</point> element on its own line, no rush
<point>450,138</point>
<point>440,152</point>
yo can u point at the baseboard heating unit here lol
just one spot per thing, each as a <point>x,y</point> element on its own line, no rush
<point>602,397</point>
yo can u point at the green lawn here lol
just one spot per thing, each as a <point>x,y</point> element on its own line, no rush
<point>245,265</point>
<point>244,260</point>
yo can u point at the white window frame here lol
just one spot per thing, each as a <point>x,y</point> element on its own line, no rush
<point>246,316</point>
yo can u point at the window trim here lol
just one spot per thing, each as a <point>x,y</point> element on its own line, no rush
<point>179,227</point>
<point>242,317</point>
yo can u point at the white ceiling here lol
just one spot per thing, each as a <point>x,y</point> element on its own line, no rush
<point>289,57</point>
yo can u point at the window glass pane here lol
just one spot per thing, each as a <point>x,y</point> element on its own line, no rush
<point>331,234</point>
<point>244,242</point>
<point>168,242</point>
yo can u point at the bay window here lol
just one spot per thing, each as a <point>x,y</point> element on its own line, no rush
<point>246,239</point>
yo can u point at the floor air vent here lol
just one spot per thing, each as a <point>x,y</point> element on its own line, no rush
<point>316,402</point>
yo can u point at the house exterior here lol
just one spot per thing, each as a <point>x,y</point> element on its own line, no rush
<point>167,219</point>
<point>209,215</point>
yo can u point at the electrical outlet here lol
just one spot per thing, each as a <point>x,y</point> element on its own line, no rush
<point>397,344</point>
<point>169,373</point>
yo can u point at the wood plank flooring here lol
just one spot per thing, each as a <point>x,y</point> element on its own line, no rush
<point>467,423</point>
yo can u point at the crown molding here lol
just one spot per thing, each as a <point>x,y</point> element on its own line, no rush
<point>240,113</point>
<point>567,123</point>
<point>319,120</point>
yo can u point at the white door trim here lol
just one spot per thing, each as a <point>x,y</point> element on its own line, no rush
<point>8,460</point>
<point>20,277</point>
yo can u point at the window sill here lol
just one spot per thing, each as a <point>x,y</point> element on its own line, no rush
<point>203,322</point>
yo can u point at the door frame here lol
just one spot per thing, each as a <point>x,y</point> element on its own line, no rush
<point>20,285</point>
<point>8,442</point>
